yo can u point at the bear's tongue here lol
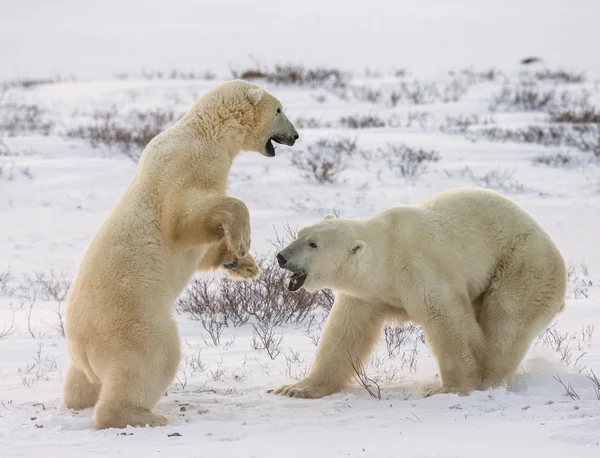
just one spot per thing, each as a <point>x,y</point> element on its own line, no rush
<point>296,280</point>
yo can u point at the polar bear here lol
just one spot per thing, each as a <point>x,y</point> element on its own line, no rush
<point>173,219</point>
<point>470,266</point>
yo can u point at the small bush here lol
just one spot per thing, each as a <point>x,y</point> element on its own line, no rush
<point>522,98</point>
<point>420,93</point>
<point>168,75</point>
<point>362,121</point>
<point>408,162</point>
<point>28,83</point>
<point>325,159</point>
<point>23,119</point>
<point>130,136</point>
<point>461,124</point>
<point>494,179</point>
<point>311,123</point>
<point>367,94</point>
<point>296,74</point>
<point>266,300</point>
<point>560,76</point>
<point>558,160</point>
<point>583,137</point>
<point>575,116</point>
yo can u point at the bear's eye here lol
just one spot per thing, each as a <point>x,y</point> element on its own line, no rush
<point>278,110</point>
<point>312,245</point>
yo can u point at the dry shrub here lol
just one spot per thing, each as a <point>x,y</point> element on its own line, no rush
<point>501,180</point>
<point>583,137</point>
<point>130,136</point>
<point>558,160</point>
<point>28,83</point>
<point>522,98</point>
<point>582,115</point>
<point>311,123</point>
<point>408,162</point>
<point>362,121</point>
<point>168,75</point>
<point>325,159</point>
<point>266,300</point>
<point>560,76</point>
<point>296,74</point>
<point>461,124</point>
<point>22,119</point>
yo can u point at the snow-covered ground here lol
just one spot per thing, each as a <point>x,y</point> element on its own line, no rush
<point>56,189</point>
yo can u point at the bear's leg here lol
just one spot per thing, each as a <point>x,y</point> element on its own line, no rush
<point>456,340</point>
<point>135,381</point>
<point>78,392</point>
<point>195,218</point>
<point>518,305</point>
<point>352,329</point>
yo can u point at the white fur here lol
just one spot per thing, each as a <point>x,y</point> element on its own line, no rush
<point>173,219</point>
<point>470,266</point>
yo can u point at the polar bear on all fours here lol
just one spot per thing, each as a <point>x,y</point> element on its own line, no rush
<point>470,266</point>
<point>173,219</point>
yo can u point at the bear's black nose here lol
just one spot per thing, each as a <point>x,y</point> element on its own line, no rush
<point>296,137</point>
<point>281,260</point>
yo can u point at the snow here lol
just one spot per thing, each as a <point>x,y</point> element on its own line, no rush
<point>55,192</point>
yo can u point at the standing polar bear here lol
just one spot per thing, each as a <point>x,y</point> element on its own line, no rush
<point>173,219</point>
<point>471,267</point>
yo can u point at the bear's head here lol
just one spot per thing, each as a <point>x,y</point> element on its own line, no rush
<point>259,113</point>
<point>328,254</point>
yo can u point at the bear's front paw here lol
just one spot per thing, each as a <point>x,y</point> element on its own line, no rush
<point>305,388</point>
<point>243,269</point>
<point>234,223</point>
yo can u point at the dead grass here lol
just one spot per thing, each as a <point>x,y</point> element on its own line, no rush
<point>462,124</point>
<point>42,368</point>
<point>29,83</point>
<point>396,337</point>
<point>362,121</point>
<point>311,123</point>
<point>582,115</point>
<point>406,161</point>
<point>584,137</point>
<point>129,135</point>
<point>501,180</point>
<point>560,76</point>
<point>324,160</point>
<point>266,300</point>
<point>371,385</point>
<point>168,75</point>
<point>295,74</point>
<point>8,329</point>
<point>24,119</point>
<point>557,160</point>
<point>522,98</point>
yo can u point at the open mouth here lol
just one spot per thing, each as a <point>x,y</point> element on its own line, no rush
<point>297,280</point>
<point>270,148</point>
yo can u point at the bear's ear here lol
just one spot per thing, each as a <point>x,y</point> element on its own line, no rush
<point>254,95</point>
<point>358,247</point>
<point>328,217</point>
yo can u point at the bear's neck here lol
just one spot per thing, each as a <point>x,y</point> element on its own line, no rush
<point>218,129</point>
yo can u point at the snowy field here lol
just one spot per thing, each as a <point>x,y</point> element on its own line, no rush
<point>368,140</point>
